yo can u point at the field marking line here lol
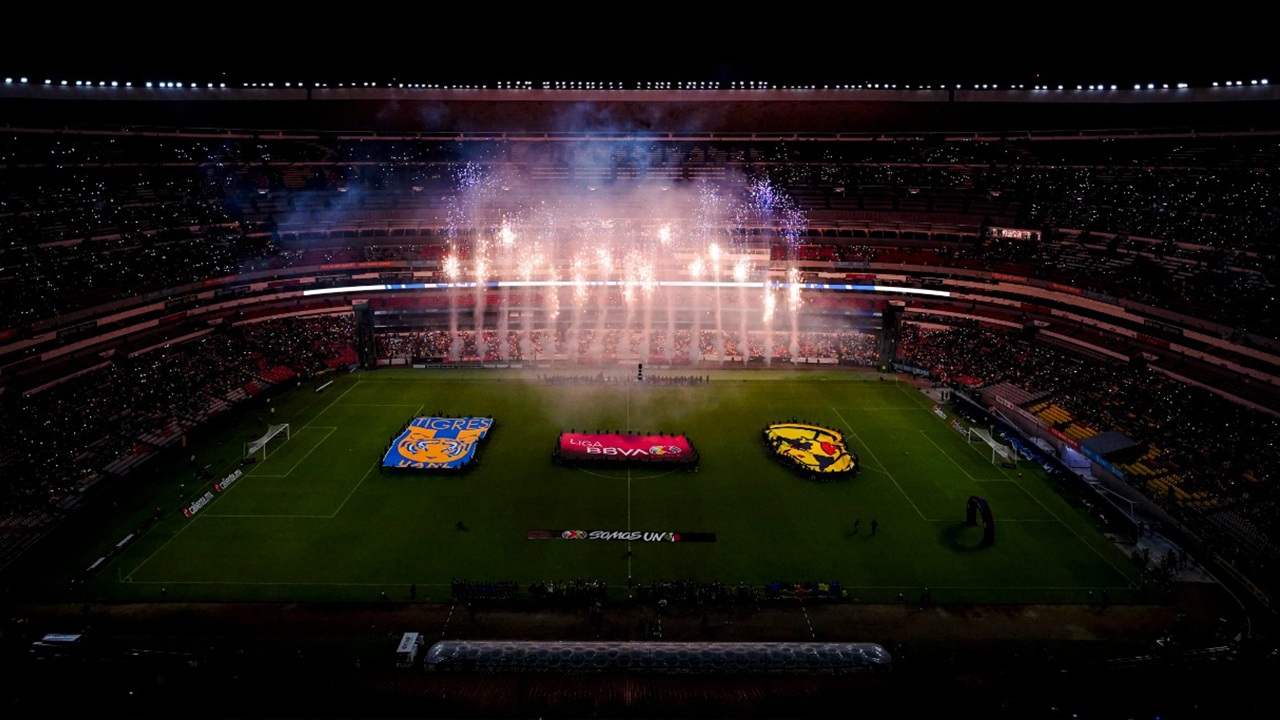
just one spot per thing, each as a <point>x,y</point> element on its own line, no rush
<point>812,634</point>
<point>335,400</point>
<point>1017,520</point>
<point>353,490</point>
<point>1069,528</point>
<point>247,474</point>
<point>957,464</point>
<point>304,457</point>
<point>129,576</point>
<point>276,517</point>
<point>379,405</point>
<point>881,463</point>
<point>283,582</point>
<point>404,585</point>
<point>629,485</point>
<point>1054,515</point>
<point>366,475</point>
<point>610,477</point>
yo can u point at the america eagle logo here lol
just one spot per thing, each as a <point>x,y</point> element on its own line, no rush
<point>813,448</point>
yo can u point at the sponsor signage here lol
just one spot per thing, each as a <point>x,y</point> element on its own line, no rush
<point>610,446</point>
<point>1013,233</point>
<point>226,481</point>
<point>436,443</point>
<point>194,507</point>
<point>938,411</point>
<point>624,535</point>
<point>1059,434</point>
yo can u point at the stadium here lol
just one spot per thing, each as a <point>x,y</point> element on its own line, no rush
<point>638,397</point>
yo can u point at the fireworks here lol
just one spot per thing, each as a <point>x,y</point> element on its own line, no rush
<point>452,267</point>
<point>695,268</point>
<point>620,246</point>
<point>793,289</point>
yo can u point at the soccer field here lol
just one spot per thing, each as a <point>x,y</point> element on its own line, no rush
<point>317,521</point>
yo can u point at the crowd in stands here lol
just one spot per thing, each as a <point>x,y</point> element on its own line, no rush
<point>92,217</point>
<point>804,591</point>
<point>569,591</point>
<point>849,347</point>
<point>1206,459</point>
<point>692,592</point>
<point>468,590</point>
<point>602,379</point>
<point>61,440</point>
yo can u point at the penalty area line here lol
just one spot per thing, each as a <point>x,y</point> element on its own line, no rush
<point>881,463</point>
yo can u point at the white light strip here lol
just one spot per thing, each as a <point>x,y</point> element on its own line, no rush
<point>707,284</point>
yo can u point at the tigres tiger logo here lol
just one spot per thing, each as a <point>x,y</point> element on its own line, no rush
<point>421,445</point>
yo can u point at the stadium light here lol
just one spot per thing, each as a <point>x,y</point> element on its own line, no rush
<point>148,83</point>
<point>23,80</point>
<point>8,80</point>
<point>1263,81</point>
<point>114,83</point>
<point>50,82</point>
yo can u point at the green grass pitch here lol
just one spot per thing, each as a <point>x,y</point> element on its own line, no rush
<point>317,521</point>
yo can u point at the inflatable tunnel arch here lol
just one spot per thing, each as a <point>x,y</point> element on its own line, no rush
<point>978,508</point>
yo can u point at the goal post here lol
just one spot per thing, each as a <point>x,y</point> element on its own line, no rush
<point>264,444</point>
<point>1000,453</point>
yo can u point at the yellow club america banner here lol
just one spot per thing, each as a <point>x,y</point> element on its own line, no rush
<point>810,448</point>
<point>437,443</point>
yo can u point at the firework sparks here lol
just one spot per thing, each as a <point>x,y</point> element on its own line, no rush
<point>452,268</point>
<point>695,268</point>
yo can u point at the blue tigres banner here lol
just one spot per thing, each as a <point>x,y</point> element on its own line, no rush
<point>437,443</point>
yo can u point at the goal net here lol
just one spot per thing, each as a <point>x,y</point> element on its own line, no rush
<point>259,449</point>
<point>1000,453</point>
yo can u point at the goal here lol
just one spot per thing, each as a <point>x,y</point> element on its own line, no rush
<point>259,449</point>
<point>1000,453</point>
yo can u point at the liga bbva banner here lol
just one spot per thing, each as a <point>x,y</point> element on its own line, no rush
<point>627,535</point>
<point>609,446</point>
<point>437,443</point>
